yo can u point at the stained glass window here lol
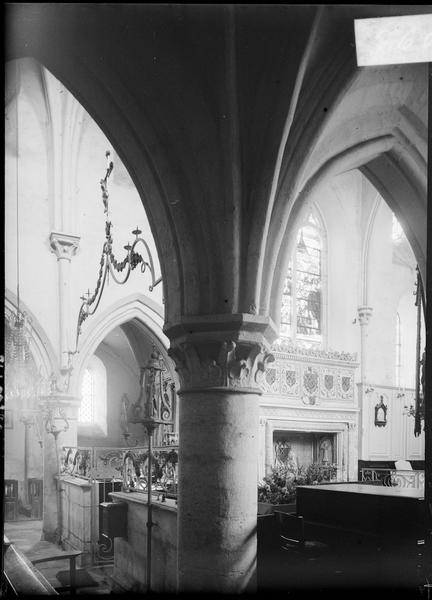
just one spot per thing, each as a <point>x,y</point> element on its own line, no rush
<point>301,315</point>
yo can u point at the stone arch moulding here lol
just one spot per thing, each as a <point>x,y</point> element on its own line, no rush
<point>360,156</point>
<point>41,347</point>
<point>135,306</point>
<point>364,291</point>
<point>393,184</point>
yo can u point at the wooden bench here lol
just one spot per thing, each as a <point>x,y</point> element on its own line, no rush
<point>21,576</point>
<point>46,552</point>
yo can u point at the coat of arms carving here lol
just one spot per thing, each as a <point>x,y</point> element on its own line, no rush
<point>270,376</point>
<point>346,384</point>
<point>310,380</point>
<point>291,378</point>
<point>328,382</point>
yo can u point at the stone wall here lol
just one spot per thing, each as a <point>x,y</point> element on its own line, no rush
<point>130,555</point>
<point>310,391</point>
<point>76,509</point>
<point>395,440</point>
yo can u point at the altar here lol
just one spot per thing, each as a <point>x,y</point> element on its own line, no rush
<point>371,511</point>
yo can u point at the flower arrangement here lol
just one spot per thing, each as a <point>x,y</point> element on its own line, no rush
<point>280,487</point>
<point>277,488</point>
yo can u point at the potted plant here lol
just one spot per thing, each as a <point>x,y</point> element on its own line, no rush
<point>278,488</point>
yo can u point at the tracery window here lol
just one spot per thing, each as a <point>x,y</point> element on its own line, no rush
<point>301,311</point>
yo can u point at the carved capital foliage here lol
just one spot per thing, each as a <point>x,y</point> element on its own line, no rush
<point>64,245</point>
<point>236,366</point>
<point>221,352</point>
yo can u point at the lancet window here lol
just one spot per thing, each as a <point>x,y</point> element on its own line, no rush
<point>301,311</point>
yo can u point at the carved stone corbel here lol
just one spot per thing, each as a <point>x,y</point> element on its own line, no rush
<point>64,245</point>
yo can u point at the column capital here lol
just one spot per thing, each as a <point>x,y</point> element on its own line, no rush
<point>221,352</point>
<point>364,314</point>
<point>64,245</point>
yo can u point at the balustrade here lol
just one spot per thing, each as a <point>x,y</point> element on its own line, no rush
<point>128,465</point>
<point>393,477</point>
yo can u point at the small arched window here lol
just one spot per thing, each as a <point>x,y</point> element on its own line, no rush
<point>92,414</point>
<point>86,411</point>
<point>301,311</point>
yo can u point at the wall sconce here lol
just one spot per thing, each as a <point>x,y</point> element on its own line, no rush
<point>409,411</point>
<point>381,413</point>
<point>53,412</point>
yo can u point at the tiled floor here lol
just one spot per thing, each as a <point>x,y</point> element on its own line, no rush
<point>26,534</point>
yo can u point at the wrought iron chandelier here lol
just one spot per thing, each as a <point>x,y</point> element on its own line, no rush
<point>109,265</point>
<point>21,376</point>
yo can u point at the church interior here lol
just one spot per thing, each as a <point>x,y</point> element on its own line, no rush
<point>215,302</point>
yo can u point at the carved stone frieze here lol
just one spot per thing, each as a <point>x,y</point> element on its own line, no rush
<point>286,349</point>
<point>306,414</point>
<point>311,381</point>
<point>238,366</point>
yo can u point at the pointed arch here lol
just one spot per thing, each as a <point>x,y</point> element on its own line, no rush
<point>137,307</point>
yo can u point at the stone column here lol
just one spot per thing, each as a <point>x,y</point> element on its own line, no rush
<point>269,452</point>
<point>64,247</point>
<point>352,451</point>
<point>262,448</point>
<point>364,315</point>
<point>27,422</point>
<point>52,445</point>
<point>220,365</point>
